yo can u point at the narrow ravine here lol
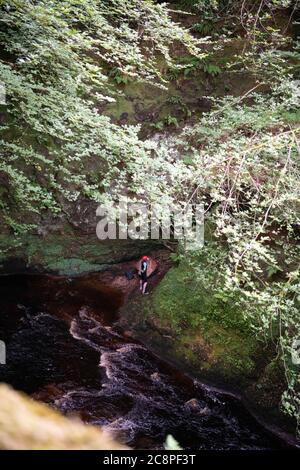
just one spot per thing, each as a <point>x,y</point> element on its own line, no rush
<point>63,349</point>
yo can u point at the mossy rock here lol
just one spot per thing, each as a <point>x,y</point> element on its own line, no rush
<point>210,333</point>
<point>268,390</point>
<point>74,266</point>
<point>28,425</point>
<point>67,253</point>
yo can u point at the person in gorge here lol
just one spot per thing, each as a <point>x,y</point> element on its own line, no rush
<point>143,274</point>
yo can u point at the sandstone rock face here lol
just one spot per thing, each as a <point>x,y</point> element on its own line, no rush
<point>28,425</point>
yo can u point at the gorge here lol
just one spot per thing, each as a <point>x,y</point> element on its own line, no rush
<point>193,102</point>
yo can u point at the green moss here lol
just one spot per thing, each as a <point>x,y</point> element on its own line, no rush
<point>291,117</point>
<point>69,253</point>
<point>74,266</point>
<point>37,250</point>
<point>211,333</point>
<point>184,302</point>
<point>142,103</point>
<point>269,388</point>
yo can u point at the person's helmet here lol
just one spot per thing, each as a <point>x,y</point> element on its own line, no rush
<point>145,258</point>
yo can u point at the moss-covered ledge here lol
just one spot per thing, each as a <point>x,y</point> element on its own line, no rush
<point>67,253</point>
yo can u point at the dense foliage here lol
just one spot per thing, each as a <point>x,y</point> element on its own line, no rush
<point>248,176</point>
<point>55,64</point>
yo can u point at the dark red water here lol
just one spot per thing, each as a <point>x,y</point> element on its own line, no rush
<point>63,348</point>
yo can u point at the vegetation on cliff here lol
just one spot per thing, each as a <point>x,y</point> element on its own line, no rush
<point>56,62</point>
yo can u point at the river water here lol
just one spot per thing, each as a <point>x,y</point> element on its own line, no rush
<point>63,349</point>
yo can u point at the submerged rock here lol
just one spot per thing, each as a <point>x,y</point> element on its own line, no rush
<point>194,405</point>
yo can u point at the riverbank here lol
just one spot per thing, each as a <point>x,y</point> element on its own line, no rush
<point>116,298</point>
<point>229,358</point>
<point>65,348</point>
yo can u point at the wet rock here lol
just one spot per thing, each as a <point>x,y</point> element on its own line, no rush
<point>128,334</point>
<point>196,407</point>
<point>204,411</point>
<point>193,403</point>
<point>155,376</point>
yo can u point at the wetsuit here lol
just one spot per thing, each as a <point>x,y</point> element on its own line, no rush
<point>144,267</point>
